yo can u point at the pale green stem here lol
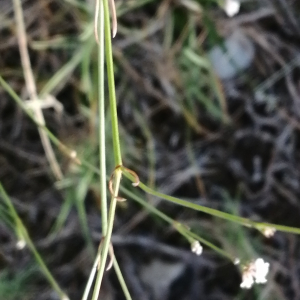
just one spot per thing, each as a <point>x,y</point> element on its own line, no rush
<point>111,86</point>
<point>116,147</point>
<point>212,246</point>
<point>177,225</point>
<point>121,280</point>
<point>213,212</point>
<point>92,276</point>
<point>197,207</point>
<point>107,238</point>
<point>24,234</point>
<point>101,116</point>
<point>210,211</point>
<point>29,113</point>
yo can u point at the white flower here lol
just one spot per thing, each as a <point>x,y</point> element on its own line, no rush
<point>248,281</point>
<point>256,271</point>
<point>196,248</point>
<point>262,270</point>
<point>20,244</point>
<point>231,7</point>
<point>73,154</point>
<point>268,231</point>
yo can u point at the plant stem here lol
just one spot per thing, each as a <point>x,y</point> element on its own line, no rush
<point>31,88</point>
<point>121,280</point>
<point>101,116</point>
<point>24,234</point>
<point>107,238</point>
<point>111,86</point>
<point>67,151</point>
<point>177,225</point>
<point>213,212</point>
<point>243,221</point>
<point>116,147</point>
<point>91,277</point>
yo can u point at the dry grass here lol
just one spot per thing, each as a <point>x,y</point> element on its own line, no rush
<point>187,134</point>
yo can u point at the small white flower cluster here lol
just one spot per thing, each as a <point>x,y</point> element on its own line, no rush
<point>196,248</point>
<point>231,7</point>
<point>255,272</point>
<point>268,231</point>
<point>21,243</point>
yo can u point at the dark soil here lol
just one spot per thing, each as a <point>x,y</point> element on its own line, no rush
<point>251,162</point>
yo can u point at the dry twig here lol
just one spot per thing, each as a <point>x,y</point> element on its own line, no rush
<point>36,104</point>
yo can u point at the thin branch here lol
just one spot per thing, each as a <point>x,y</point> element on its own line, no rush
<point>31,88</point>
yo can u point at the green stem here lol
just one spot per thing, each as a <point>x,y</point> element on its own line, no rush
<point>101,112</point>
<point>121,280</point>
<point>68,151</point>
<point>24,234</point>
<point>92,275</point>
<point>29,113</point>
<point>116,147</point>
<point>177,225</point>
<point>213,212</point>
<point>107,238</point>
<point>111,85</point>
<point>211,245</point>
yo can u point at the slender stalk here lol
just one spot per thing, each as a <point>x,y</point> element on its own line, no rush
<point>121,280</point>
<point>212,246</point>
<point>183,230</point>
<point>210,211</point>
<point>43,266</point>
<point>111,86</point>
<point>213,212</point>
<point>101,116</point>
<point>116,146</point>
<point>21,229</point>
<point>67,151</point>
<point>91,277</point>
<point>243,221</point>
<point>31,88</point>
<point>104,38</point>
<point>107,238</point>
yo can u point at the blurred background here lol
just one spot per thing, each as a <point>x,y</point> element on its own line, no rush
<point>209,111</point>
